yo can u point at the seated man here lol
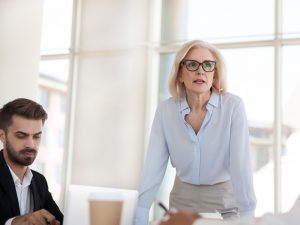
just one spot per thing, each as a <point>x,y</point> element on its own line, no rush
<point>24,195</point>
<point>188,218</point>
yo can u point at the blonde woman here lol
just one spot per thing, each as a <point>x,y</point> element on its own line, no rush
<point>203,130</point>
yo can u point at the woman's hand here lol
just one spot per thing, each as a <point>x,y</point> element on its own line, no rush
<point>179,218</point>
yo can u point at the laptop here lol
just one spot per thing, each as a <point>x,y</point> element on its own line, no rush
<point>77,203</point>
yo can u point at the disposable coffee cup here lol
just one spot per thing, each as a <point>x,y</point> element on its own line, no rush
<point>105,208</point>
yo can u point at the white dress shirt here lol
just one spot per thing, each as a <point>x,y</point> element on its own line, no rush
<point>290,218</point>
<point>23,193</point>
<point>218,152</point>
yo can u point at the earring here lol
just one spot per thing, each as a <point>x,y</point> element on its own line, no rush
<point>220,88</point>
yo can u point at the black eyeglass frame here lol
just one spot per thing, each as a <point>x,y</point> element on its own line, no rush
<point>200,64</point>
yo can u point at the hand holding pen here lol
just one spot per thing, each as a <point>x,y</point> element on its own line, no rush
<point>175,217</point>
<point>163,207</point>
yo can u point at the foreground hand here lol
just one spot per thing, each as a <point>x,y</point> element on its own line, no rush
<point>179,218</point>
<point>40,217</point>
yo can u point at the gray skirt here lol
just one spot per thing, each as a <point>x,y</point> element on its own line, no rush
<point>201,198</point>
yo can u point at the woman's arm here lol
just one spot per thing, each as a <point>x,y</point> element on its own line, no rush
<point>240,162</point>
<point>154,169</point>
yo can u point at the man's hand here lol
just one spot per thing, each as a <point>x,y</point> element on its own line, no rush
<point>179,218</point>
<point>40,217</point>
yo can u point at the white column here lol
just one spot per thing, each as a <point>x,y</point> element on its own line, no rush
<point>110,75</point>
<point>20,37</point>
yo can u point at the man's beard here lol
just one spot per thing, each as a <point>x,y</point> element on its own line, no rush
<point>20,158</point>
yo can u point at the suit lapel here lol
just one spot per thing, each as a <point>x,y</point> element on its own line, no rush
<point>35,195</point>
<point>7,183</point>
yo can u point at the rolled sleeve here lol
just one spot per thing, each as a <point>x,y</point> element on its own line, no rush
<point>142,216</point>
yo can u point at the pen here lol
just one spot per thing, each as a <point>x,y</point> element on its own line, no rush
<point>163,207</point>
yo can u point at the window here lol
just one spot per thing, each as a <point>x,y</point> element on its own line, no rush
<point>211,20</point>
<point>44,136</point>
<point>63,103</point>
<point>290,25</point>
<point>55,70</point>
<point>164,71</point>
<point>54,78</point>
<point>61,140</point>
<point>44,98</point>
<point>291,125</point>
<point>57,20</point>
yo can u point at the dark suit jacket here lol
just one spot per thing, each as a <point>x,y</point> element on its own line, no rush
<point>42,198</point>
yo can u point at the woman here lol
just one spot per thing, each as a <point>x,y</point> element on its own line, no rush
<point>203,130</point>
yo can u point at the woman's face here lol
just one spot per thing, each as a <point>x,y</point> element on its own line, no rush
<point>197,80</point>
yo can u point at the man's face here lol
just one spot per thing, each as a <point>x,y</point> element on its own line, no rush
<point>21,141</point>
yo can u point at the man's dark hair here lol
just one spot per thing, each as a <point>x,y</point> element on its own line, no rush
<point>21,107</point>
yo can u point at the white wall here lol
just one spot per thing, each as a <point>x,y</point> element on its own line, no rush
<point>20,37</point>
<point>108,144</point>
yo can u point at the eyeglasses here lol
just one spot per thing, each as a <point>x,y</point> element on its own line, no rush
<point>193,65</point>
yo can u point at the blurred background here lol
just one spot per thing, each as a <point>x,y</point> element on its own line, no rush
<point>100,67</point>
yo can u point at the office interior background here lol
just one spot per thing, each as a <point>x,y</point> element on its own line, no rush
<point>100,67</point>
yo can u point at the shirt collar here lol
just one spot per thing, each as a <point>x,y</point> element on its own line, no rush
<point>212,103</point>
<point>183,105</point>
<point>26,180</point>
<point>214,100</point>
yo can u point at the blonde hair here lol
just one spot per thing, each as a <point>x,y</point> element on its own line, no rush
<point>177,88</point>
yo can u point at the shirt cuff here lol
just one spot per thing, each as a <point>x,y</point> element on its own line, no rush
<point>8,222</point>
<point>141,216</point>
<point>248,214</point>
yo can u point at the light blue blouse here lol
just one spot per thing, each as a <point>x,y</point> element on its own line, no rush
<point>218,152</point>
